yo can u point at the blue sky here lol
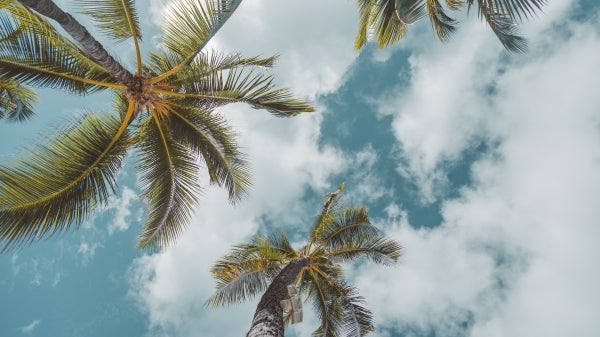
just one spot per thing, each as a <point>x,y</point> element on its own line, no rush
<point>484,165</point>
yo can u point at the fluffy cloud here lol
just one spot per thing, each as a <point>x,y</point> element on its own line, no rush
<point>515,254</point>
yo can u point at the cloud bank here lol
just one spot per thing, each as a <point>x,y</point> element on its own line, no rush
<point>515,253</point>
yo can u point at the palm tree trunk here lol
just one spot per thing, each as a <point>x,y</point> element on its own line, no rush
<point>79,33</point>
<point>268,319</point>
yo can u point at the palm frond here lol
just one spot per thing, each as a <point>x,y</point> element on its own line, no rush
<point>357,319</point>
<point>61,182</point>
<point>321,290</point>
<point>347,224</point>
<point>16,101</point>
<point>204,64</point>
<point>377,248</point>
<point>366,8</point>
<point>515,9</point>
<point>409,11</point>
<point>169,183</point>
<point>238,85</point>
<point>117,19</point>
<point>503,26</point>
<point>208,136</point>
<point>387,24</point>
<point>189,25</point>
<point>442,24</point>
<point>247,271</point>
<point>326,217</point>
<point>32,52</point>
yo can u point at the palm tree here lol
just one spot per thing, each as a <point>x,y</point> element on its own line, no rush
<point>165,110</point>
<point>389,18</point>
<point>340,234</point>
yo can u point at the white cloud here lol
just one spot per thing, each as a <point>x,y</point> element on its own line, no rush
<point>516,253</point>
<point>30,327</point>
<point>87,251</point>
<point>121,206</point>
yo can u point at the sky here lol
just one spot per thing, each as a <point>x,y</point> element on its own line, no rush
<point>482,164</point>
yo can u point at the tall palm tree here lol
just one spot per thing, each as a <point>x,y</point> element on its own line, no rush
<point>389,19</point>
<point>165,109</point>
<point>340,234</point>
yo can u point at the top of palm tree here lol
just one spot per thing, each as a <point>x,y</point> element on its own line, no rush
<point>166,108</point>
<point>340,234</point>
<point>389,19</point>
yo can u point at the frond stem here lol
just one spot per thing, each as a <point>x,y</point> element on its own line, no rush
<point>169,73</point>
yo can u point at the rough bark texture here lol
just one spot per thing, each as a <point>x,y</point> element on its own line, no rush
<point>79,33</point>
<point>268,319</point>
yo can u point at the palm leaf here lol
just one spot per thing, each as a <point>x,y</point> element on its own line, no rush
<point>62,182</point>
<point>118,19</point>
<point>357,319</point>
<point>365,14</point>
<point>326,217</point>
<point>347,224</point>
<point>387,24</point>
<point>409,11</point>
<point>34,53</point>
<point>328,308</point>
<point>169,181</point>
<point>235,86</point>
<point>189,26</point>
<point>247,270</point>
<point>16,101</point>
<point>204,64</point>
<point>515,9</point>
<point>378,248</point>
<point>208,136</point>
<point>503,26</point>
<point>442,24</point>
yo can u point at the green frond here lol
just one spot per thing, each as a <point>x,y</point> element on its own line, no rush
<point>377,248</point>
<point>16,101</point>
<point>239,86</point>
<point>503,26</point>
<point>169,183</point>
<point>346,225</point>
<point>189,25</point>
<point>275,245</point>
<point>33,53</point>
<point>366,9</point>
<point>208,136</point>
<point>204,64</point>
<point>60,183</point>
<point>357,319</point>
<point>326,217</point>
<point>387,25</point>
<point>409,11</point>
<point>117,19</point>
<point>442,24</point>
<point>329,311</point>
<point>515,9</point>
<point>246,271</point>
